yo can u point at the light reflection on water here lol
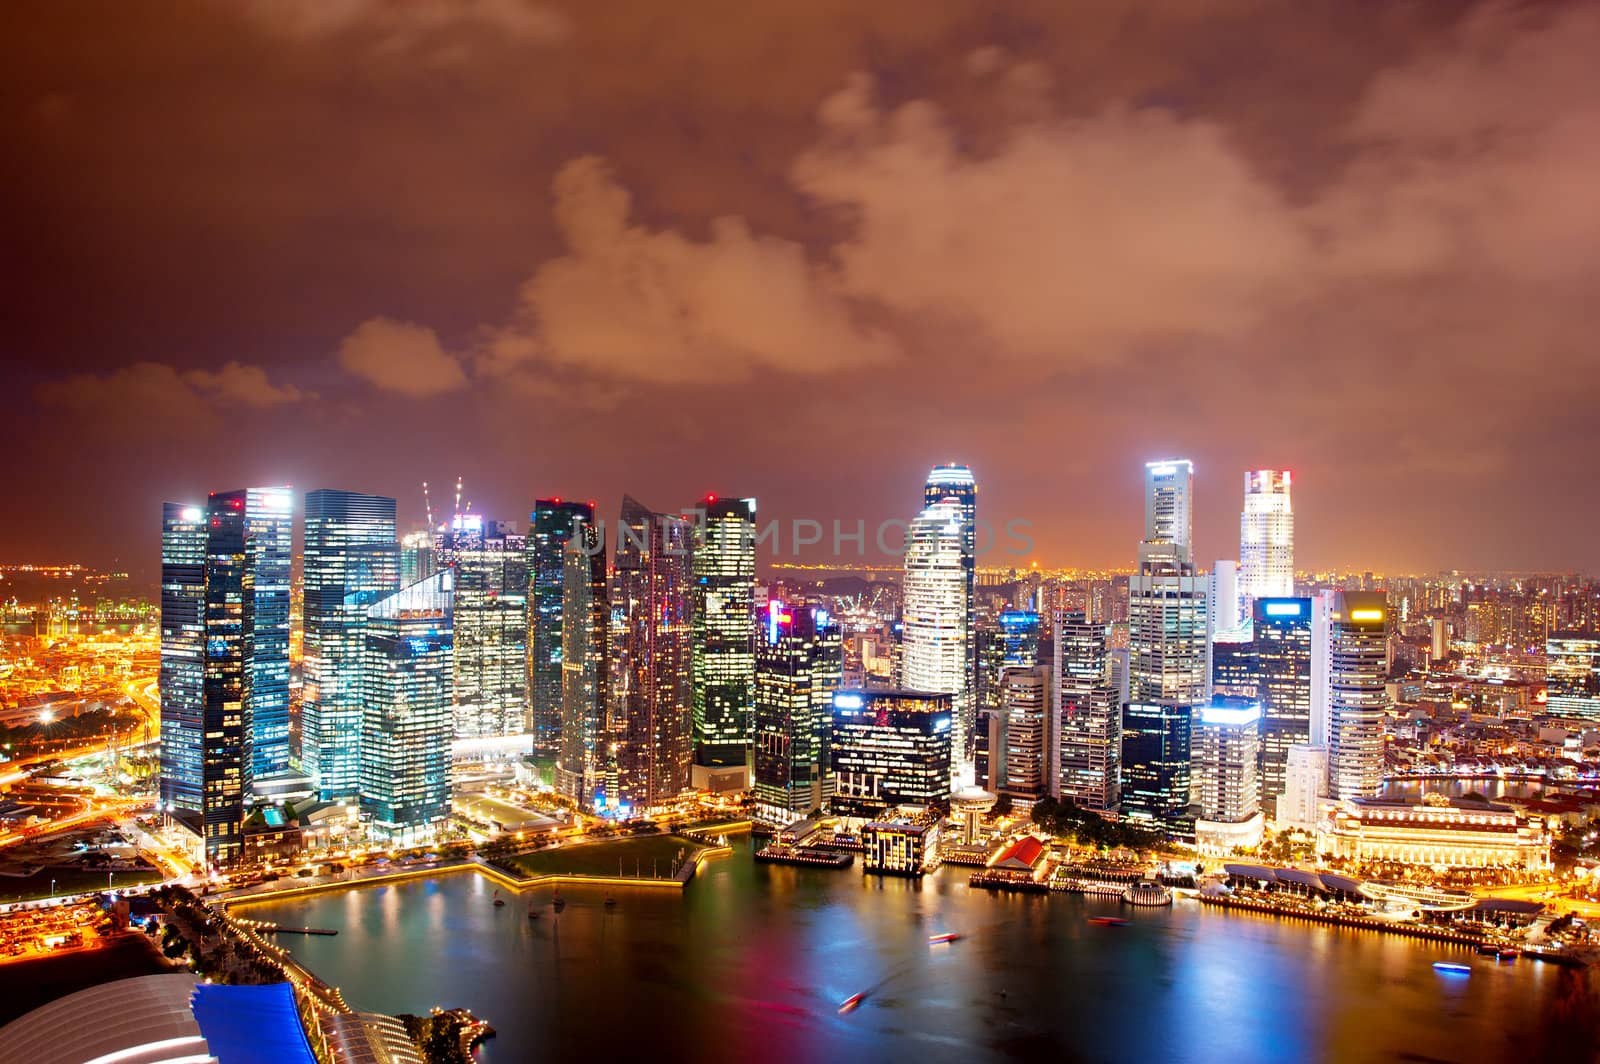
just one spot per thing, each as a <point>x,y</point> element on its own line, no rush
<point>752,961</point>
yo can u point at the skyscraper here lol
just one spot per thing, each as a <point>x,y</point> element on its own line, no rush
<point>890,748</point>
<point>1281,657</point>
<point>490,610</point>
<point>1167,653</point>
<point>799,659</point>
<point>954,482</point>
<point>268,535</point>
<point>351,561</point>
<point>652,673</point>
<point>936,619</point>
<point>1572,676</point>
<point>1227,747</point>
<point>1358,643</point>
<point>724,632</point>
<point>585,668</point>
<point>183,651</point>
<point>1266,537</point>
<point>407,684</point>
<point>552,524</point>
<point>226,569</point>
<point>1022,733</point>
<point>1089,715</point>
<point>1168,506</point>
<point>417,560</point>
<point>1012,641</point>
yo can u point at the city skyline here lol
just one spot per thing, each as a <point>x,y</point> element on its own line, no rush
<point>1330,279</point>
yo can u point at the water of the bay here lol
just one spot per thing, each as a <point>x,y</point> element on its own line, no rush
<point>752,961</point>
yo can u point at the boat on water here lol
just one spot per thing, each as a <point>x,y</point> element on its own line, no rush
<point>948,936</point>
<point>1147,892</point>
<point>558,902</point>
<point>1451,968</point>
<point>610,902</point>
<point>1488,951</point>
<point>1108,921</point>
<point>851,1003</point>
<point>498,902</point>
<point>1508,955</point>
<point>533,914</point>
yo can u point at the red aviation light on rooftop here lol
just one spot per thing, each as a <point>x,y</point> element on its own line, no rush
<point>711,498</point>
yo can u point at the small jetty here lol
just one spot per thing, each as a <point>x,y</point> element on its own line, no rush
<point>279,929</point>
<point>816,858</point>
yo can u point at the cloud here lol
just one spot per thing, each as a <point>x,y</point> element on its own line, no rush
<point>1076,238</point>
<point>635,303</point>
<point>397,356</point>
<point>146,386</point>
<point>403,26</point>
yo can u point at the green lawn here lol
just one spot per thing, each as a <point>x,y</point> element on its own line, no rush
<point>68,881</point>
<point>644,855</point>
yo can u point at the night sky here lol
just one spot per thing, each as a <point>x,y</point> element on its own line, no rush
<point>803,251</point>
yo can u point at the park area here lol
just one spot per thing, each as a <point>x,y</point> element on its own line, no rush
<point>644,856</point>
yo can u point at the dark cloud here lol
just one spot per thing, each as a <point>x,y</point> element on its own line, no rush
<point>806,250</point>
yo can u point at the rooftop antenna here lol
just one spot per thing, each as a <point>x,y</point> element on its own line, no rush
<point>458,494</point>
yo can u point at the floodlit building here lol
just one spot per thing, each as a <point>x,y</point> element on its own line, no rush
<point>1167,653</point>
<point>724,640</point>
<point>351,561</point>
<point>1226,749</point>
<point>888,749</point>
<point>1439,832</point>
<point>491,636</point>
<point>1266,537</point>
<point>1357,672</point>
<point>1305,787</point>
<point>226,569</point>
<point>406,688</point>
<point>900,848</point>
<point>936,616</point>
<point>1021,734</point>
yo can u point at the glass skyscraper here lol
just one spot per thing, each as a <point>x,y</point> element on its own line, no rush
<point>491,636</point>
<point>799,662</point>
<point>183,649</point>
<point>890,748</point>
<point>936,617</point>
<point>552,524</point>
<point>724,630</point>
<point>227,570</point>
<point>1572,675</point>
<point>351,561</point>
<point>652,673</point>
<point>1281,655</point>
<point>407,679</point>
<point>581,766</point>
<point>1167,653</point>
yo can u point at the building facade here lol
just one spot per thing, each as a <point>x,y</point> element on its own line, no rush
<point>1021,734</point>
<point>1281,657</point>
<point>551,526</point>
<point>1358,647</point>
<point>1089,715</point>
<point>351,561</point>
<point>936,633</point>
<point>888,749</point>
<point>491,636</point>
<point>799,660</point>
<point>407,684</point>
<point>1572,675</point>
<point>1227,750</point>
<point>724,631</point>
<point>1439,832</point>
<point>1266,537</point>
<point>652,683</point>
<point>585,761</point>
<point>183,653</point>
